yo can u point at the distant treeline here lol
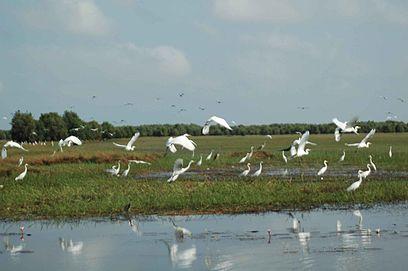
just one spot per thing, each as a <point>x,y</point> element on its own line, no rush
<point>52,126</point>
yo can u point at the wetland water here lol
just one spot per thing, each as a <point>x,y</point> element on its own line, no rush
<point>218,242</point>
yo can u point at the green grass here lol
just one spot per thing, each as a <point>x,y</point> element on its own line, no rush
<point>73,183</point>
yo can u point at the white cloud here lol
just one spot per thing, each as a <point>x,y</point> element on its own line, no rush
<point>77,16</point>
<point>256,10</point>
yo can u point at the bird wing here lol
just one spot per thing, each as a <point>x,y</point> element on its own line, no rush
<point>352,145</point>
<point>133,139</point>
<point>139,162</point>
<point>206,129</point>
<point>178,165</point>
<point>339,124</point>
<point>185,142</point>
<point>221,122</point>
<point>73,139</point>
<point>303,140</point>
<point>370,134</point>
<point>3,153</point>
<point>119,145</point>
<point>351,122</point>
<point>337,134</point>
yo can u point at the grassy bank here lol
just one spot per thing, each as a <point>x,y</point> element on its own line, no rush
<point>74,184</point>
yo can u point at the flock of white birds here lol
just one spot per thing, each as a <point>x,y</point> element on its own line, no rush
<point>296,150</point>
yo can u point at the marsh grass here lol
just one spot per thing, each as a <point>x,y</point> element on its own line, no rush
<point>73,183</point>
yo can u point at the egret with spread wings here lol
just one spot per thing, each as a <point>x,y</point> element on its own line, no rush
<point>129,146</point>
<point>213,121</point>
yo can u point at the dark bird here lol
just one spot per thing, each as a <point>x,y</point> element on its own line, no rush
<point>303,107</point>
<point>128,104</point>
<point>201,108</point>
<point>181,94</point>
<point>126,208</point>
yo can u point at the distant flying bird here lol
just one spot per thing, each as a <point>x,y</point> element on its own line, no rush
<point>173,105</point>
<point>355,185</point>
<point>23,174</point>
<point>4,118</point>
<point>78,128</point>
<point>218,102</point>
<point>363,143</point>
<point>303,107</point>
<point>245,172</point>
<point>129,146</point>
<point>94,129</point>
<point>259,171</point>
<point>183,141</point>
<point>213,121</point>
<point>401,100</point>
<point>157,98</point>
<point>93,97</point>
<point>128,104</point>
<point>384,97</point>
<point>372,163</point>
<point>390,152</point>
<point>201,108</point>
<point>182,110</point>
<point>323,169</point>
<point>178,169</point>
<point>181,94</point>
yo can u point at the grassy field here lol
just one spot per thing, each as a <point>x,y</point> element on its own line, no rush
<point>74,184</point>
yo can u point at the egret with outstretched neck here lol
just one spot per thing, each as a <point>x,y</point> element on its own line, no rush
<point>23,174</point>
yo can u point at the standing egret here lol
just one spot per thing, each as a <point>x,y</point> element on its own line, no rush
<point>126,171</point>
<point>337,134</point>
<point>323,169</point>
<point>355,185</point>
<point>372,163</point>
<point>178,169</point>
<point>183,141</point>
<point>212,121</point>
<point>390,152</point>
<point>114,171</point>
<point>364,174</point>
<point>363,143</point>
<point>343,156</point>
<point>20,161</point>
<point>23,174</point>
<point>259,171</point>
<point>260,148</point>
<point>243,159</point>
<point>210,155</point>
<point>129,146</point>
<point>245,172</point>
<point>200,162</point>
<point>338,226</point>
<point>284,157</point>
<point>251,152</point>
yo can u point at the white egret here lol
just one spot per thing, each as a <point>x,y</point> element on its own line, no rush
<point>372,163</point>
<point>245,172</point>
<point>251,152</point>
<point>10,144</point>
<point>139,162</point>
<point>355,185</point>
<point>72,140</point>
<point>358,214</point>
<point>243,159</point>
<point>200,162</point>
<point>302,144</point>
<point>3,153</point>
<point>343,156</point>
<point>23,174</point>
<point>365,174</point>
<point>180,232</point>
<point>269,136</point>
<point>212,121</point>
<point>129,146</point>
<point>284,157</point>
<point>338,226</point>
<point>126,171</point>
<point>183,141</point>
<point>323,169</point>
<point>72,247</point>
<point>295,224</point>
<point>209,155</point>
<point>260,148</point>
<point>390,152</point>
<point>178,169</point>
<point>259,171</point>
<point>347,127</point>
<point>337,134</point>
<point>114,171</point>
<point>363,143</point>
<point>20,161</point>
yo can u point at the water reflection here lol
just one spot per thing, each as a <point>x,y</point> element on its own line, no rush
<point>303,240</point>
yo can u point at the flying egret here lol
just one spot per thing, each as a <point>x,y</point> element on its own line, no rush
<point>139,162</point>
<point>343,156</point>
<point>129,146</point>
<point>10,144</point>
<point>269,136</point>
<point>126,171</point>
<point>243,159</point>
<point>337,134</point>
<point>212,121</point>
<point>259,171</point>
<point>284,157</point>
<point>390,152</point>
<point>183,141</point>
<point>347,127</point>
<point>245,172</point>
<point>209,155</point>
<point>178,169</point>
<point>363,143</point>
<point>69,141</point>
<point>20,161</point>
<point>355,185</point>
<point>302,144</point>
<point>372,163</point>
<point>23,174</point>
<point>365,174</point>
<point>200,162</point>
<point>323,169</point>
<point>114,171</point>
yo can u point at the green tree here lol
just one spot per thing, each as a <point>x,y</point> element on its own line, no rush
<point>53,125</point>
<point>23,127</point>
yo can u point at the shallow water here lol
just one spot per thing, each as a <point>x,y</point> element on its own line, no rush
<point>218,242</point>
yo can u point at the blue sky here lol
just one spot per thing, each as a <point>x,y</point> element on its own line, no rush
<point>261,58</point>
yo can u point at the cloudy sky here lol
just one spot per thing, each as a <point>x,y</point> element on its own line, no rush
<point>261,58</point>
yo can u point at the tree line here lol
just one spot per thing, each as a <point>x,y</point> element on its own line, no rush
<point>52,126</point>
